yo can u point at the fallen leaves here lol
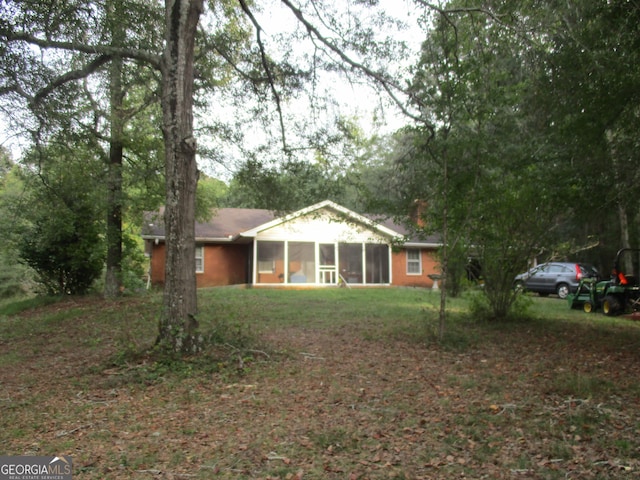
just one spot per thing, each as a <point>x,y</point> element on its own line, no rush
<point>339,407</point>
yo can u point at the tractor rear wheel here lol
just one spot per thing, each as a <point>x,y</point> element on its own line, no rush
<point>610,306</point>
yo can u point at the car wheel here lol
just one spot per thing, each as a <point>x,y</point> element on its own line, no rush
<point>562,290</point>
<point>610,306</point>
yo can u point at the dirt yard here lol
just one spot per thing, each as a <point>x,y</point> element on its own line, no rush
<point>326,403</point>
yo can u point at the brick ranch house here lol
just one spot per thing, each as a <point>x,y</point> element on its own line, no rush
<point>320,245</point>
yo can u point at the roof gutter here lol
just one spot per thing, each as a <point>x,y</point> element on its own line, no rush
<point>422,244</point>
<point>227,239</point>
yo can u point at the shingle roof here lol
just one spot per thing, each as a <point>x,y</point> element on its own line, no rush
<point>227,223</point>
<point>231,221</point>
<point>224,223</point>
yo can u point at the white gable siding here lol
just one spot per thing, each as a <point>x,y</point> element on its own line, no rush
<point>322,227</point>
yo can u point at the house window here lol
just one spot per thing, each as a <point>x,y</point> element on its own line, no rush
<point>414,262</point>
<point>199,258</point>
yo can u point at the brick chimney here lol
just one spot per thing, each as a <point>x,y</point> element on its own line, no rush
<point>417,213</point>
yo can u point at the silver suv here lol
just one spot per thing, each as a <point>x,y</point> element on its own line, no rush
<point>560,278</point>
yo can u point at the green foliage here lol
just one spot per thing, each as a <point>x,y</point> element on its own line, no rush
<point>492,198</point>
<point>63,246</point>
<point>61,235</point>
<point>516,306</point>
<point>458,263</point>
<point>209,195</point>
<point>6,164</point>
<point>14,278</point>
<point>590,84</point>
<point>345,168</point>
<point>294,185</point>
<point>143,172</point>
<point>134,263</point>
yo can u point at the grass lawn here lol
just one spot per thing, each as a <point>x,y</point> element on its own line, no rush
<point>322,384</point>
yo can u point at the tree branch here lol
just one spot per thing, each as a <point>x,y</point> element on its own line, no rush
<point>446,11</point>
<point>8,36</point>
<point>15,88</point>
<point>70,76</point>
<point>388,84</point>
<point>267,68</point>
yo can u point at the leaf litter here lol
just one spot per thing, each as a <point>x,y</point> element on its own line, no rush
<point>332,404</point>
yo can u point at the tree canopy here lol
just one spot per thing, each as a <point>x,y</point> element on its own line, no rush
<point>532,146</point>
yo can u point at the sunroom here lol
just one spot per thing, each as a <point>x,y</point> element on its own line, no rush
<point>322,246</point>
<point>321,263</point>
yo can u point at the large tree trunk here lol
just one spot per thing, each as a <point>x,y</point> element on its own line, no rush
<point>178,326</point>
<point>113,277</point>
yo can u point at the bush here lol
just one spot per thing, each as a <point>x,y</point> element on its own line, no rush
<point>63,246</point>
<point>15,279</point>
<point>482,309</point>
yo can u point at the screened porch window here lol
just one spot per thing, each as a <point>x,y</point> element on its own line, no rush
<point>268,254</point>
<point>270,262</point>
<point>350,258</point>
<point>377,262</point>
<point>302,262</point>
<point>414,262</point>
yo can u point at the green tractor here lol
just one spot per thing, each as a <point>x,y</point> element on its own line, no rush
<point>620,294</point>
